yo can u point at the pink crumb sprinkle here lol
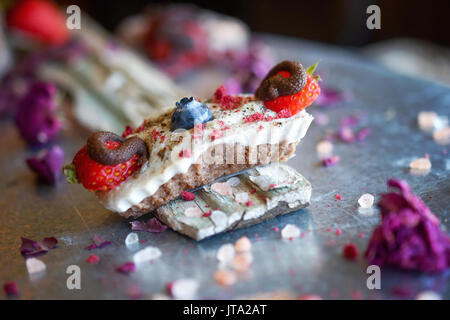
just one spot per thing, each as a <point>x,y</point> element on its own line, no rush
<point>185,154</point>
<point>338,196</point>
<point>338,231</point>
<point>128,130</point>
<point>350,251</point>
<point>11,288</point>
<point>207,214</point>
<point>249,203</point>
<point>216,134</point>
<point>254,117</point>
<point>285,113</point>
<point>276,229</point>
<point>92,259</point>
<point>188,196</point>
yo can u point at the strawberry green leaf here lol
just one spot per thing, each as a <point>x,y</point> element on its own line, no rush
<point>317,78</point>
<point>311,69</point>
<point>70,173</point>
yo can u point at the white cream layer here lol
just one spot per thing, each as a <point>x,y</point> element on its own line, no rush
<point>230,123</point>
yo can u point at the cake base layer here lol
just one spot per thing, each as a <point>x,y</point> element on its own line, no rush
<point>224,213</point>
<point>212,166</point>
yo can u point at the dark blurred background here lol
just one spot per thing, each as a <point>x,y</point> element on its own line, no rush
<point>341,22</point>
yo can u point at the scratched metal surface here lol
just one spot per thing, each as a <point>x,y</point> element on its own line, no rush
<point>305,265</point>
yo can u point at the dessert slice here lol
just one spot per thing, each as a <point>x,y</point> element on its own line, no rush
<point>195,143</point>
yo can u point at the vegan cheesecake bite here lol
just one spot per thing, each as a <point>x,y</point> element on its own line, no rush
<point>197,142</point>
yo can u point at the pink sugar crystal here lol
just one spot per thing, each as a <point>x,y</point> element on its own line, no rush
<point>221,188</point>
<point>225,277</point>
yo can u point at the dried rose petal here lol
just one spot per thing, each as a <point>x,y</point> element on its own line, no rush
<point>31,248</point>
<point>152,225</point>
<point>98,243</point>
<point>11,288</point>
<point>233,86</point>
<point>12,89</point>
<point>330,97</point>
<point>346,134</point>
<point>47,164</point>
<point>249,68</point>
<point>329,161</point>
<point>409,236</point>
<point>126,268</point>
<point>362,134</point>
<point>36,117</point>
<point>351,121</point>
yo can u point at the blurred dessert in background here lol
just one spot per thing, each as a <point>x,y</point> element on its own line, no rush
<point>108,85</point>
<point>181,38</point>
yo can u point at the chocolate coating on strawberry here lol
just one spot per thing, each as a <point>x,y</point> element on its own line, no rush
<point>98,151</point>
<point>275,85</point>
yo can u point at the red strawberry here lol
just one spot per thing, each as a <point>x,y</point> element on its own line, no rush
<point>40,19</point>
<point>96,176</point>
<point>299,101</point>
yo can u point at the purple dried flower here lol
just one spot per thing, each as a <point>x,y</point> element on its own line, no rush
<point>321,118</point>
<point>11,288</point>
<point>98,243</point>
<point>233,86</point>
<point>248,68</point>
<point>31,248</point>
<point>350,121</point>
<point>12,89</point>
<point>126,268</point>
<point>329,97</point>
<point>36,116</point>
<point>346,134</point>
<point>47,164</point>
<point>409,236</point>
<point>329,161</point>
<point>152,225</point>
<point>362,134</point>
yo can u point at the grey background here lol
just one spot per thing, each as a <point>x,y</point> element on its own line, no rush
<point>310,265</point>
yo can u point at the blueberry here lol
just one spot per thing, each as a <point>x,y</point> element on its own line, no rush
<point>190,112</point>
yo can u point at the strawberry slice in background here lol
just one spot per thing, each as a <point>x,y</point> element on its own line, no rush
<point>40,19</point>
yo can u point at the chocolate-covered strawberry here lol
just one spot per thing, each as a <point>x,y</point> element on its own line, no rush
<point>288,88</point>
<point>106,161</point>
